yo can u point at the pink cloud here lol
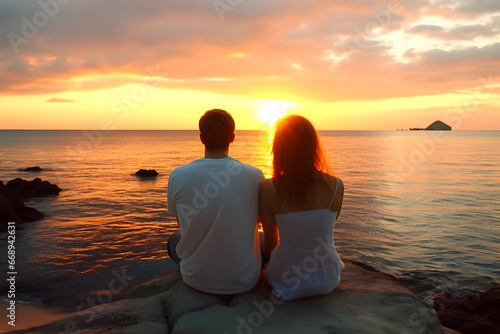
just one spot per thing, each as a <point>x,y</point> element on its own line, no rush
<point>57,100</point>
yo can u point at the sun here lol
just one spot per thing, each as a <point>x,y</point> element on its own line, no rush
<point>270,111</point>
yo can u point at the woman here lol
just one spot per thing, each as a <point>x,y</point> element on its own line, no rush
<point>301,202</point>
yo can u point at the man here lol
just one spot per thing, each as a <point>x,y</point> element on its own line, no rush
<point>215,200</point>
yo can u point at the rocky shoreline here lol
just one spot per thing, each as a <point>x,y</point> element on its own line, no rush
<point>470,314</point>
<point>366,301</point>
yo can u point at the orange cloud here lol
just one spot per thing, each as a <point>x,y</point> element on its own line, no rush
<point>57,100</point>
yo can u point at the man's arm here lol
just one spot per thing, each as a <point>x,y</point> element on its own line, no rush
<point>171,207</point>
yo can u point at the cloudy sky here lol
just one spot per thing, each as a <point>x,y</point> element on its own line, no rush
<point>360,65</point>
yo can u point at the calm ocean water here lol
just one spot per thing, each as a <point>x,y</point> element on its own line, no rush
<point>423,206</point>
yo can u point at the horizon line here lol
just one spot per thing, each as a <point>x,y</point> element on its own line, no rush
<point>319,130</point>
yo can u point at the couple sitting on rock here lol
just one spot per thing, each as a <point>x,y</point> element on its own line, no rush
<point>218,202</point>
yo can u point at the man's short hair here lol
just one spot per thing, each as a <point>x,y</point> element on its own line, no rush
<point>216,128</point>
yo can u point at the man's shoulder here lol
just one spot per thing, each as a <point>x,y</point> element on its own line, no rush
<point>229,165</point>
<point>250,169</point>
<point>187,167</point>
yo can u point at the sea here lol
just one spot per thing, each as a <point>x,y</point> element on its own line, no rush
<point>423,206</point>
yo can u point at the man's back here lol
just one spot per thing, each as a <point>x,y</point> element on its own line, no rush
<point>216,201</point>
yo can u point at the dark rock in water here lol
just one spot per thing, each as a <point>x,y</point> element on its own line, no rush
<point>146,173</point>
<point>32,169</point>
<point>488,305</point>
<point>446,301</point>
<point>12,209</point>
<point>35,188</point>
<point>454,319</point>
<point>438,125</point>
<point>442,301</point>
<point>471,315</point>
<point>480,325</point>
<point>32,214</point>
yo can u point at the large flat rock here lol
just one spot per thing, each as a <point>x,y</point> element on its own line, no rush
<point>366,301</point>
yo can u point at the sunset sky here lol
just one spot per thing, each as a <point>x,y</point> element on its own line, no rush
<point>346,65</point>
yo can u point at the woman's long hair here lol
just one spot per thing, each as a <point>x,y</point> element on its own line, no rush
<point>297,158</point>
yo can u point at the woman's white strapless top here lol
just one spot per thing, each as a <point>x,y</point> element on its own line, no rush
<point>305,262</point>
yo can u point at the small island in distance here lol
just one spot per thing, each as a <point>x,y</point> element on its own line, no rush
<point>437,125</point>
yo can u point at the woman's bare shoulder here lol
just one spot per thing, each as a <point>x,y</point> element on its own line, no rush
<point>331,179</point>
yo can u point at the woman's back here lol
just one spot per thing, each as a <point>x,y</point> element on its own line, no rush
<point>300,229</point>
<point>305,262</point>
